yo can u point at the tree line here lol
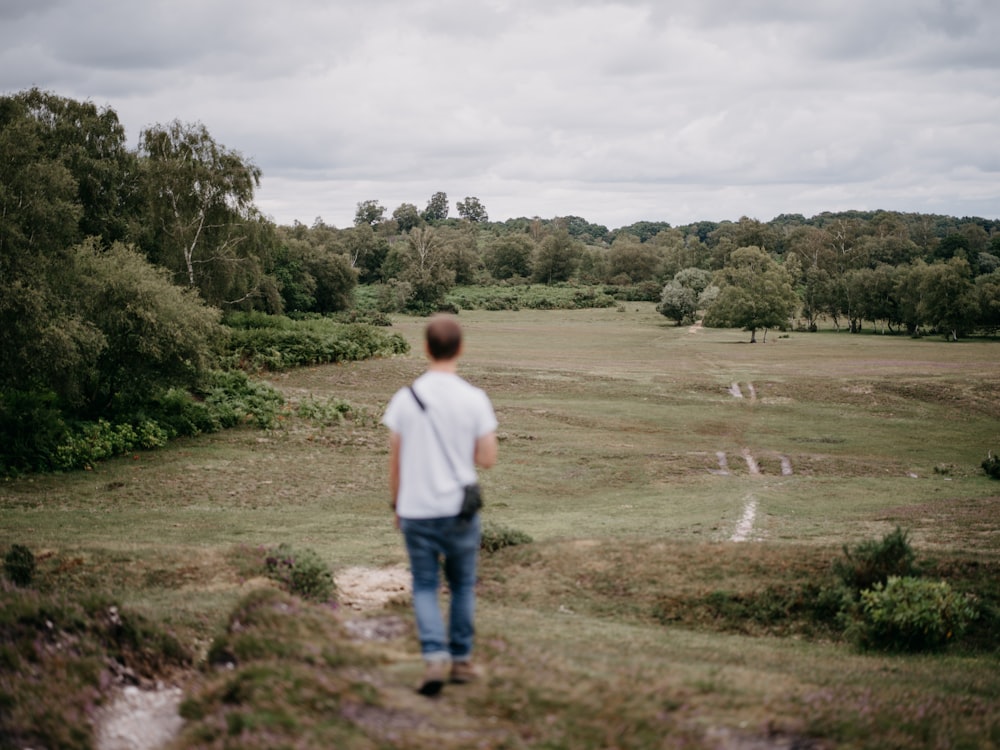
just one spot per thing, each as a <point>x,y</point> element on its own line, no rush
<point>118,266</point>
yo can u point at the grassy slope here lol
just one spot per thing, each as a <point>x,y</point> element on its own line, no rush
<point>611,421</point>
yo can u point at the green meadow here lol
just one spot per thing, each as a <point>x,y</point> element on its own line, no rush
<point>681,488</point>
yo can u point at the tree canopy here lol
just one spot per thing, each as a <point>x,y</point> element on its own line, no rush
<point>755,292</point>
<point>184,203</point>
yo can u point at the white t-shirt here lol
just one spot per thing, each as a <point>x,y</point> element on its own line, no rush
<point>461,413</point>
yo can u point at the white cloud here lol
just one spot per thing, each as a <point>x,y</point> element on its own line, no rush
<point>614,111</point>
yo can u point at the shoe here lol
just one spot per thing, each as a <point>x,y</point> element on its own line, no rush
<point>435,675</point>
<point>463,672</point>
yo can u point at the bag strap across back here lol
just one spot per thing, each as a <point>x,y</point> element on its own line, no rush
<point>444,449</point>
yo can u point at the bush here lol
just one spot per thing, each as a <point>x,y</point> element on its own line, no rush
<point>233,398</point>
<point>991,465</point>
<point>19,565</point>
<point>910,614</point>
<point>496,537</point>
<point>32,426</point>
<point>777,608</point>
<point>301,572</point>
<point>279,343</point>
<point>324,411</point>
<point>873,562</point>
<point>95,441</point>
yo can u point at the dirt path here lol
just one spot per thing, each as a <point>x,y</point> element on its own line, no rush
<point>148,718</point>
<point>745,526</point>
<point>140,719</point>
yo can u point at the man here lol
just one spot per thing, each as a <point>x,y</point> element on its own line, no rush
<point>439,432</point>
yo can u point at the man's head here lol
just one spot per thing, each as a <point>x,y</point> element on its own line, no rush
<point>444,338</point>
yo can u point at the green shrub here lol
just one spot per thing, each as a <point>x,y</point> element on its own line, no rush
<point>302,572</point>
<point>19,565</point>
<point>910,614</point>
<point>516,296</point>
<point>808,607</point>
<point>991,465</point>
<point>90,442</point>
<point>872,562</point>
<point>233,399</point>
<point>278,343</point>
<point>181,414</point>
<point>496,537</point>
<point>324,411</point>
<point>43,441</point>
<point>31,428</point>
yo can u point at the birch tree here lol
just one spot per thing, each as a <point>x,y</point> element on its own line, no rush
<point>200,203</point>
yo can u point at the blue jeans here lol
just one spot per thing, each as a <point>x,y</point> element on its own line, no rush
<point>428,540</point>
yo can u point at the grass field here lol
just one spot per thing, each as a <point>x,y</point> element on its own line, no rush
<point>654,467</point>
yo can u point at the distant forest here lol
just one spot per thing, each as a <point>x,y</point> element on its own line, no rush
<point>120,267</point>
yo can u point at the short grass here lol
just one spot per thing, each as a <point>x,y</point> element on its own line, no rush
<point>626,456</point>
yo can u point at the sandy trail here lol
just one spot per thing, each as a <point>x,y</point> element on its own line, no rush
<point>745,527</point>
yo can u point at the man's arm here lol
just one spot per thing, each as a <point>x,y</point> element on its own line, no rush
<point>486,450</point>
<point>395,442</point>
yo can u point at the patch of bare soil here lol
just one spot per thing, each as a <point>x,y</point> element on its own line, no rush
<point>146,719</point>
<point>364,589</point>
<point>140,719</point>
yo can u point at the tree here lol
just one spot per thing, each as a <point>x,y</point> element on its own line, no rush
<point>556,258</point>
<point>754,292</point>
<point>948,299</point>
<point>406,217</point>
<point>678,251</point>
<point>296,285</point>
<point>510,256</point>
<point>988,291</point>
<point>155,335</point>
<point>427,276</point>
<point>369,213</point>
<point>817,264</point>
<point>423,242</point>
<point>592,266</point>
<point>875,294</point>
<point>461,253</point>
<point>677,301</point>
<point>581,229</point>
<point>42,338</point>
<point>909,289</point>
<point>632,261</point>
<point>681,295</point>
<point>437,207</point>
<point>200,206</point>
<point>90,144</point>
<point>697,279</point>
<point>644,230</point>
<point>335,280</point>
<point>471,209</point>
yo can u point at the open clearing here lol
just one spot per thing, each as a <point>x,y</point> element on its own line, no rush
<point>642,477</point>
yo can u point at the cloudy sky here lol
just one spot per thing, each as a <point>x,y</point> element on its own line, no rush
<point>658,110</point>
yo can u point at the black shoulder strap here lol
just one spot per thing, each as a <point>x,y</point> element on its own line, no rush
<point>417,398</point>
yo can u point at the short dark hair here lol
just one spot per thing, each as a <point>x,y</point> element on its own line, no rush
<point>444,337</point>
